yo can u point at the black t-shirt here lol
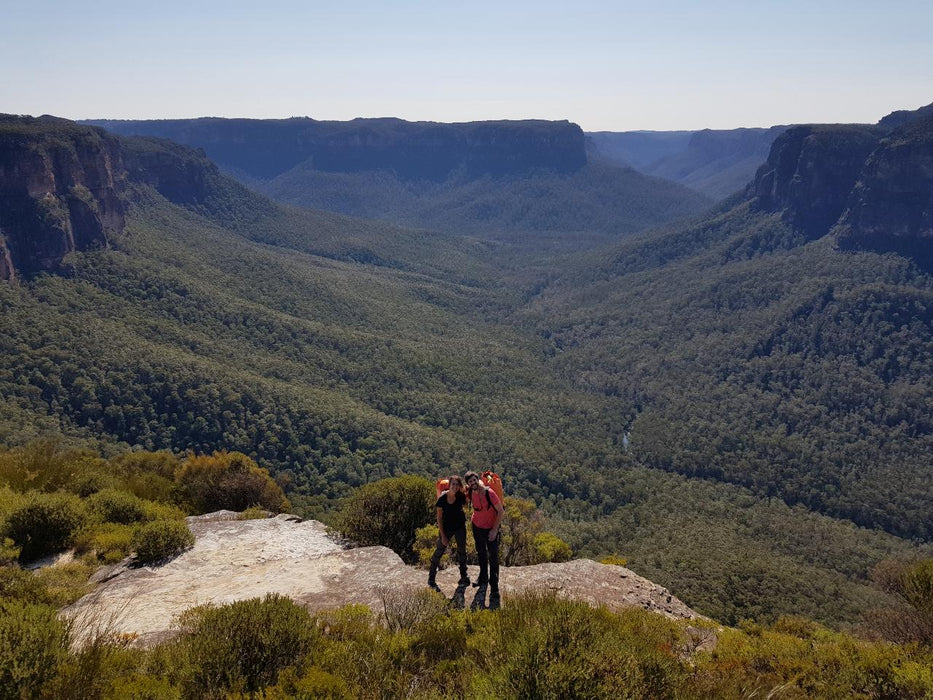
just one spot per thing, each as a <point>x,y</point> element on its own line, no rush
<point>453,517</point>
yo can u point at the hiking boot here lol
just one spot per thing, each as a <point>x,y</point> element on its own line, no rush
<point>464,580</point>
<point>480,582</point>
<point>433,586</point>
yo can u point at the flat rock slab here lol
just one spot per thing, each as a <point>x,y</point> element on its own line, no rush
<point>239,559</point>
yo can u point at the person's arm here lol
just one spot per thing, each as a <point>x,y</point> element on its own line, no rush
<point>497,505</point>
<point>440,525</point>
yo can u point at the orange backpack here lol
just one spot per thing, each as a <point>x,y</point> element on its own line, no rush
<point>494,482</point>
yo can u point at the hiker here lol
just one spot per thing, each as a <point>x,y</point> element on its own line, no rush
<point>451,524</point>
<point>487,514</point>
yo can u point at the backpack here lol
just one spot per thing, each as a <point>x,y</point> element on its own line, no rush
<point>494,482</point>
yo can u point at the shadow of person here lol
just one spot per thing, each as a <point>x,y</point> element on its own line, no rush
<point>479,600</point>
<point>458,601</point>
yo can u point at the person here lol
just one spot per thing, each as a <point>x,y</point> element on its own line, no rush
<point>451,524</point>
<point>487,515</point>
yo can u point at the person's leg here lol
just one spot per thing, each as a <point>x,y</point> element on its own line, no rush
<point>493,547</point>
<point>439,550</point>
<point>481,539</point>
<point>460,536</point>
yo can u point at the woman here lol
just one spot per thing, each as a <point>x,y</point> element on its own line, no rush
<point>451,524</point>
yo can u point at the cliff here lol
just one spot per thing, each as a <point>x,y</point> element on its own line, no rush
<point>810,172</point>
<point>239,559</point>
<point>891,207</point>
<point>263,149</point>
<point>59,192</point>
<point>872,186</point>
<point>64,188</point>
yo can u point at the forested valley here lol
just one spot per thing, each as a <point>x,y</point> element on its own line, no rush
<point>734,404</point>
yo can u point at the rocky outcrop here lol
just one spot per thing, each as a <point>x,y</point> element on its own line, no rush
<point>239,559</point>
<point>263,149</point>
<point>810,172</point>
<point>891,207</point>
<point>59,192</point>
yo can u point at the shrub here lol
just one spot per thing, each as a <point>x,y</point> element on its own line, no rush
<point>545,647</point>
<point>228,480</point>
<point>389,513</point>
<point>19,584</point>
<point>254,513</point>
<point>313,684</point>
<point>243,646</point>
<point>404,610</point>
<point>614,560</point>
<point>118,506</point>
<point>46,523</point>
<point>140,687</point>
<point>46,465</point>
<point>33,643</point>
<point>109,542</point>
<point>63,584</point>
<point>549,547</point>
<point>161,539</point>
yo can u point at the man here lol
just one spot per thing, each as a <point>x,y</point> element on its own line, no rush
<point>451,524</point>
<point>487,514</point>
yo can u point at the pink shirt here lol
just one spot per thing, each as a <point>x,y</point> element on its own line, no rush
<point>484,515</point>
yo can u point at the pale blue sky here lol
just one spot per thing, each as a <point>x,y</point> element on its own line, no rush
<point>605,65</point>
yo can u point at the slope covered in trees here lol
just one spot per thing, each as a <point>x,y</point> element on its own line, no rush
<point>757,352</point>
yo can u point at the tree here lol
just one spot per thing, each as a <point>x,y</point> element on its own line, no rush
<point>389,512</point>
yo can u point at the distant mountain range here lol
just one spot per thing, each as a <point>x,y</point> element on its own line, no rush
<point>716,163</point>
<point>505,177</point>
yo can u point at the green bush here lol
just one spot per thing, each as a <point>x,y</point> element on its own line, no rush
<point>313,684</point>
<point>46,523</point>
<point>161,539</point>
<point>33,644</point>
<point>228,480</point>
<point>142,687</point>
<point>545,647</point>
<point>243,646</point>
<point>118,507</point>
<point>549,547</point>
<point>389,513</point>
<point>110,542</point>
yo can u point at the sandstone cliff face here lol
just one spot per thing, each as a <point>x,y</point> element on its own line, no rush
<point>412,150</point>
<point>810,172</point>
<point>59,192</point>
<point>891,207</point>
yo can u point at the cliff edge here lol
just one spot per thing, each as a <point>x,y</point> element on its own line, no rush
<point>239,559</point>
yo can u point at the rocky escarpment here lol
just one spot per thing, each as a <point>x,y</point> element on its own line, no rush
<point>872,186</point>
<point>431,151</point>
<point>64,188</point>
<point>810,172</point>
<point>239,559</point>
<point>59,192</point>
<point>891,207</point>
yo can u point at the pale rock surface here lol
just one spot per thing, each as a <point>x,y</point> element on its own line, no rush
<point>239,559</point>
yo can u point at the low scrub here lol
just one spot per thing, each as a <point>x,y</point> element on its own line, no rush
<point>160,540</point>
<point>33,646</point>
<point>115,506</point>
<point>243,646</point>
<point>46,523</point>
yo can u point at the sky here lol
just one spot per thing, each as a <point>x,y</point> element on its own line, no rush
<point>612,66</point>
